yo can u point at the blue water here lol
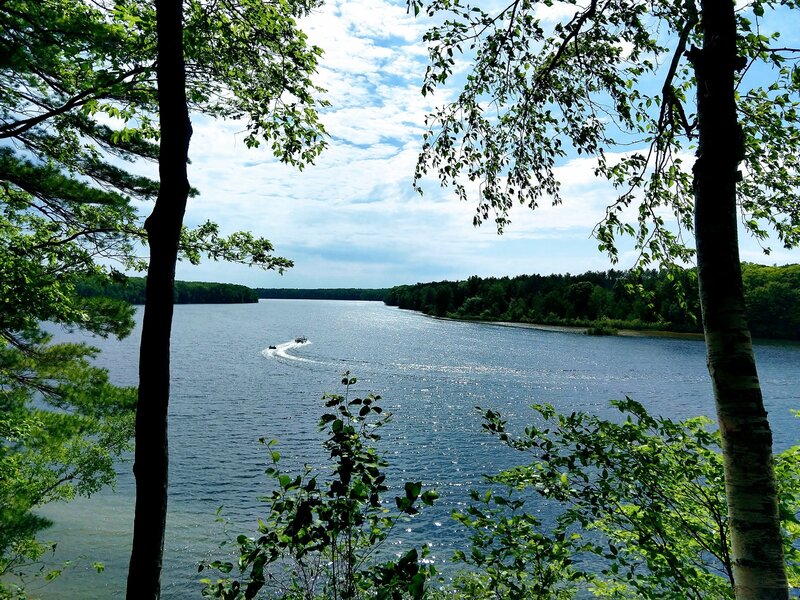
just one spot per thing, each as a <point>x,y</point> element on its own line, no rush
<point>229,389</point>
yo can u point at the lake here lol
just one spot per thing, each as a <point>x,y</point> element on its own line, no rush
<point>229,389</point>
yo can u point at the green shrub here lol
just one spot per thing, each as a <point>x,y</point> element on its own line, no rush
<point>322,538</point>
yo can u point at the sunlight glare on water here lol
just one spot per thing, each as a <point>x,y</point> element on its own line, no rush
<point>229,389</point>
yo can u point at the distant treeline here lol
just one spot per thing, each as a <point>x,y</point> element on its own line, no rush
<point>186,292</point>
<point>322,294</point>
<point>604,301</point>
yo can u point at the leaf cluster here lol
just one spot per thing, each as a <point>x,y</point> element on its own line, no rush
<point>62,445</point>
<point>609,80</point>
<point>78,95</point>
<point>511,554</point>
<point>642,501</point>
<point>323,538</point>
<point>248,59</point>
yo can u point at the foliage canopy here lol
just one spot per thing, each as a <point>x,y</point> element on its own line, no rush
<point>78,105</point>
<point>612,80</point>
<point>640,504</point>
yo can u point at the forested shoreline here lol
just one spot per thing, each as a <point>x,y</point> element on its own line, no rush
<point>602,301</point>
<point>605,301</point>
<point>373,294</point>
<point>132,290</point>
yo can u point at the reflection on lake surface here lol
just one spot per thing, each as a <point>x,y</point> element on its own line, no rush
<point>229,389</point>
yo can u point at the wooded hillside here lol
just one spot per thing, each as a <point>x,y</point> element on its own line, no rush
<point>607,300</point>
<point>186,292</point>
<point>322,293</point>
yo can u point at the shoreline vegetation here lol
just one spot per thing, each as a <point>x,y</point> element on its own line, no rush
<point>132,290</point>
<point>585,329</point>
<point>610,302</point>
<point>370,294</point>
<point>655,303</point>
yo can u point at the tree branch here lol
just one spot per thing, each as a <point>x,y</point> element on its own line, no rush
<point>16,128</point>
<point>668,92</point>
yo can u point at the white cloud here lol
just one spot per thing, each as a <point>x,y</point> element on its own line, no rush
<point>558,11</point>
<point>352,219</point>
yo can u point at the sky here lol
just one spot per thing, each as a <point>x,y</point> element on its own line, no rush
<point>352,219</point>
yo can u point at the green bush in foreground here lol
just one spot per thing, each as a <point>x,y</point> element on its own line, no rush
<point>634,508</point>
<point>641,510</point>
<point>321,538</point>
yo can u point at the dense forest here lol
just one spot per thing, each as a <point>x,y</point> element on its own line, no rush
<point>604,301</point>
<point>132,290</point>
<point>322,293</point>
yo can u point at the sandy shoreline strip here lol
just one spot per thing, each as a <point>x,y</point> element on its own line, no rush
<point>581,330</point>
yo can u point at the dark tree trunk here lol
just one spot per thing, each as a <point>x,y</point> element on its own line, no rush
<point>163,231</point>
<point>757,550</point>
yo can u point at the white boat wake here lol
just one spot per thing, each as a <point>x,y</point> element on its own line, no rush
<point>282,351</point>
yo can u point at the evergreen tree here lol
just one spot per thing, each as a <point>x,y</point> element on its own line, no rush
<point>78,99</point>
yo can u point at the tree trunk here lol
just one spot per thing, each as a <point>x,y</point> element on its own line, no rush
<point>163,230</point>
<point>757,548</point>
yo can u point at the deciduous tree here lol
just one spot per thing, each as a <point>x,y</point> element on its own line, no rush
<point>543,88</point>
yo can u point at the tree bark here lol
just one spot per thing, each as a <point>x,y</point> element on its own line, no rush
<point>151,460</point>
<point>757,548</point>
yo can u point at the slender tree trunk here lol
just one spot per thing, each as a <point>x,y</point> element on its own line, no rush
<point>757,550</point>
<point>163,231</point>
